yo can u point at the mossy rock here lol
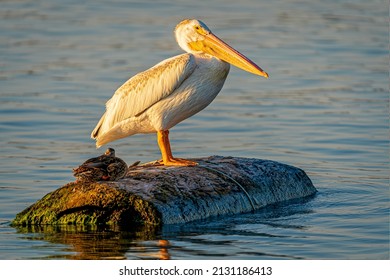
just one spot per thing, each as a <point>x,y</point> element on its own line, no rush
<point>166,195</point>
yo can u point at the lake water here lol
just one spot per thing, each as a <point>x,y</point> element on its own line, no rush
<point>324,109</point>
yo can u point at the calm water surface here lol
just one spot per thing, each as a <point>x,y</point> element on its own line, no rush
<point>325,109</point>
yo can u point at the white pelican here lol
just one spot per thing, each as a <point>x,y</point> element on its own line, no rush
<point>173,90</point>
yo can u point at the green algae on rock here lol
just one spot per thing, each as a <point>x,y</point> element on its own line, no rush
<point>151,194</point>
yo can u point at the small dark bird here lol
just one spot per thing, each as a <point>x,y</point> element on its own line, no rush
<point>106,167</point>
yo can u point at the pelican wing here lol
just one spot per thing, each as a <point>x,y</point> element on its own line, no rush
<point>144,90</point>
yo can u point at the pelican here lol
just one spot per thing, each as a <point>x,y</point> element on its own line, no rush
<point>157,99</point>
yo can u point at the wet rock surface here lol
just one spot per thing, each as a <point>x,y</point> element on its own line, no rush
<point>156,194</point>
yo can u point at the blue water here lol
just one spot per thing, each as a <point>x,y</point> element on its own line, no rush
<point>324,109</point>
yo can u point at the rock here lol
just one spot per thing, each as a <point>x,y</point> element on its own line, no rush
<point>167,195</point>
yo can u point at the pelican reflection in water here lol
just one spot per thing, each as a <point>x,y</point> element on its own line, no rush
<point>173,90</point>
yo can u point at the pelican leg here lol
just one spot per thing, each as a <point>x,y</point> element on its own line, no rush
<point>166,153</point>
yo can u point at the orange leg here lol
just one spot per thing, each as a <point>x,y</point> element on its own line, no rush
<point>165,148</point>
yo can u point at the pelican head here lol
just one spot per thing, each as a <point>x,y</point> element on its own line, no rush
<point>193,36</point>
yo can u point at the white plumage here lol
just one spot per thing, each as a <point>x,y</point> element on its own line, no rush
<point>177,88</point>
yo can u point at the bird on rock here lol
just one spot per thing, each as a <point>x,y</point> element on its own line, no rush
<point>159,98</point>
<point>106,167</point>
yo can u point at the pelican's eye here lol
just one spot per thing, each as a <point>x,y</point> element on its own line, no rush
<point>199,29</point>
